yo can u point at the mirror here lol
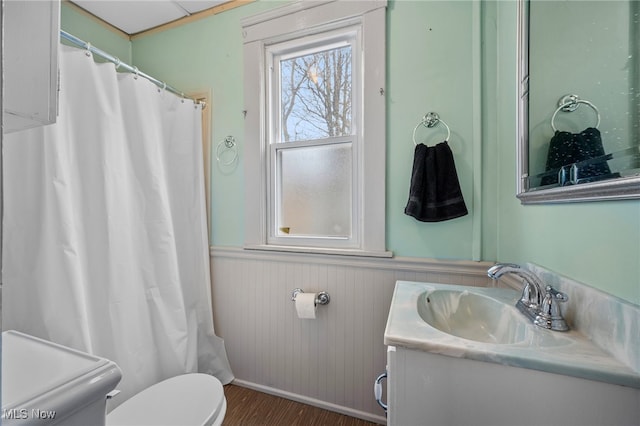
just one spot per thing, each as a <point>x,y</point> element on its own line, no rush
<point>579,100</point>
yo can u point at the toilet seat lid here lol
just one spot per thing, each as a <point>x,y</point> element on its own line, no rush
<point>186,400</point>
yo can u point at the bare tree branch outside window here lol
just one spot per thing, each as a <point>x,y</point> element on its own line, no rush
<point>316,95</point>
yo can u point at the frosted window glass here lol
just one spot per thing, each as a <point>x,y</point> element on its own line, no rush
<point>315,97</point>
<point>315,191</point>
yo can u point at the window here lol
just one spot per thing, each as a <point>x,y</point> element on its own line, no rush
<point>314,128</point>
<point>313,181</point>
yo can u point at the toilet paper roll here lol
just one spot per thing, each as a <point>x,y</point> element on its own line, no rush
<point>306,305</point>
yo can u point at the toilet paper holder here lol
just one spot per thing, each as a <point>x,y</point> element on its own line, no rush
<point>322,298</point>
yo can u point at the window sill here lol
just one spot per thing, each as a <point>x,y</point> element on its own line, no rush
<point>318,250</point>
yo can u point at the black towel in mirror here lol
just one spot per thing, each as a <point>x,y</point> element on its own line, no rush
<point>435,193</point>
<point>567,148</point>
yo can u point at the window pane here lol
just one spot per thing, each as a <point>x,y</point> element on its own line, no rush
<point>315,97</point>
<point>314,196</point>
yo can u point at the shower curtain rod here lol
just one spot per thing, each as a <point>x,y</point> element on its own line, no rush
<point>119,64</point>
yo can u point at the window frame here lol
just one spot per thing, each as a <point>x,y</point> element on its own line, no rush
<point>293,24</point>
<point>350,36</point>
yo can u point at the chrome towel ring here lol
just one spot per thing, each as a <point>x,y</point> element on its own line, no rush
<point>570,103</point>
<point>430,120</point>
<point>227,144</point>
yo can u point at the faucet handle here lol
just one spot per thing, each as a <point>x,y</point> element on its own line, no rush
<point>550,316</point>
<point>555,294</point>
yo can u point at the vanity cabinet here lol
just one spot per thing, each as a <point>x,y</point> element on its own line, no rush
<point>31,36</point>
<point>428,389</point>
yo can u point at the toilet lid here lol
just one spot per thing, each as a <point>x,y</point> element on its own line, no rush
<point>185,400</point>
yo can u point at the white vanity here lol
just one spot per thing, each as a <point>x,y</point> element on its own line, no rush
<point>466,356</point>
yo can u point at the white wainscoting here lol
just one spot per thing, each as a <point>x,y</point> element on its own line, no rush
<point>332,361</point>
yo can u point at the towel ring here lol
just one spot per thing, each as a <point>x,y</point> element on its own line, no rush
<point>228,143</point>
<point>570,103</point>
<point>430,120</point>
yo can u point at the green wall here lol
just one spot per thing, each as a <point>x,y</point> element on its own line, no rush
<point>415,87</point>
<point>431,68</point>
<point>89,30</point>
<point>453,57</point>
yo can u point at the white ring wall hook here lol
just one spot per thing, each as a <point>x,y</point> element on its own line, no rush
<point>430,120</point>
<point>570,103</point>
<point>228,143</point>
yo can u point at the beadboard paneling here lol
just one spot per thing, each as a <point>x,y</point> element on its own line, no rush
<point>331,361</point>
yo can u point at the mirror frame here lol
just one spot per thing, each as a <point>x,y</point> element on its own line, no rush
<point>624,188</point>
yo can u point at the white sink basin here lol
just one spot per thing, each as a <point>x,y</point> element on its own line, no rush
<point>472,316</point>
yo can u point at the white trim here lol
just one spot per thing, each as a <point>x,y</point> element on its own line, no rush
<point>320,250</point>
<point>267,24</point>
<point>476,248</point>
<point>277,12</point>
<point>374,125</point>
<point>415,264</point>
<point>350,36</point>
<point>305,18</point>
<point>311,401</point>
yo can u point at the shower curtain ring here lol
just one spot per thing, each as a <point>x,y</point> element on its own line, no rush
<point>135,72</point>
<point>118,62</point>
<point>88,52</point>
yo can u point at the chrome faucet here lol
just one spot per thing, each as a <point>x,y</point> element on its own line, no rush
<point>537,300</point>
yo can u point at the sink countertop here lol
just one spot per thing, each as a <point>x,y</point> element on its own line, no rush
<point>569,353</point>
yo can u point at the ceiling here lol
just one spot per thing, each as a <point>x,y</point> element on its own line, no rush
<point>134,16</point>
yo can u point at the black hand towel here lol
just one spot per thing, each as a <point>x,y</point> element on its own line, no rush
<point>567,148</point>
<point>435,193</point>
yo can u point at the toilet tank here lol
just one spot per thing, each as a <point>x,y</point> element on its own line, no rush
<point>44,383</point>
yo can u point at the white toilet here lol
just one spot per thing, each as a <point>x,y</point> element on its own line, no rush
<point>189,400</point>
<point>45,383</point>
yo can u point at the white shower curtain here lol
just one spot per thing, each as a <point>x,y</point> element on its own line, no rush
<point>105,244</point>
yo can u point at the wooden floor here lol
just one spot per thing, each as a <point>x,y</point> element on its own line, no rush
<point>249,407</point>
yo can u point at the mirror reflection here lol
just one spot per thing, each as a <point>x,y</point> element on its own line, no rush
<point>584,92</point>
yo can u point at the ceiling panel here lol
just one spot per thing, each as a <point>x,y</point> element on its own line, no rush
<point>193,6</point>
<point>134,16</point>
